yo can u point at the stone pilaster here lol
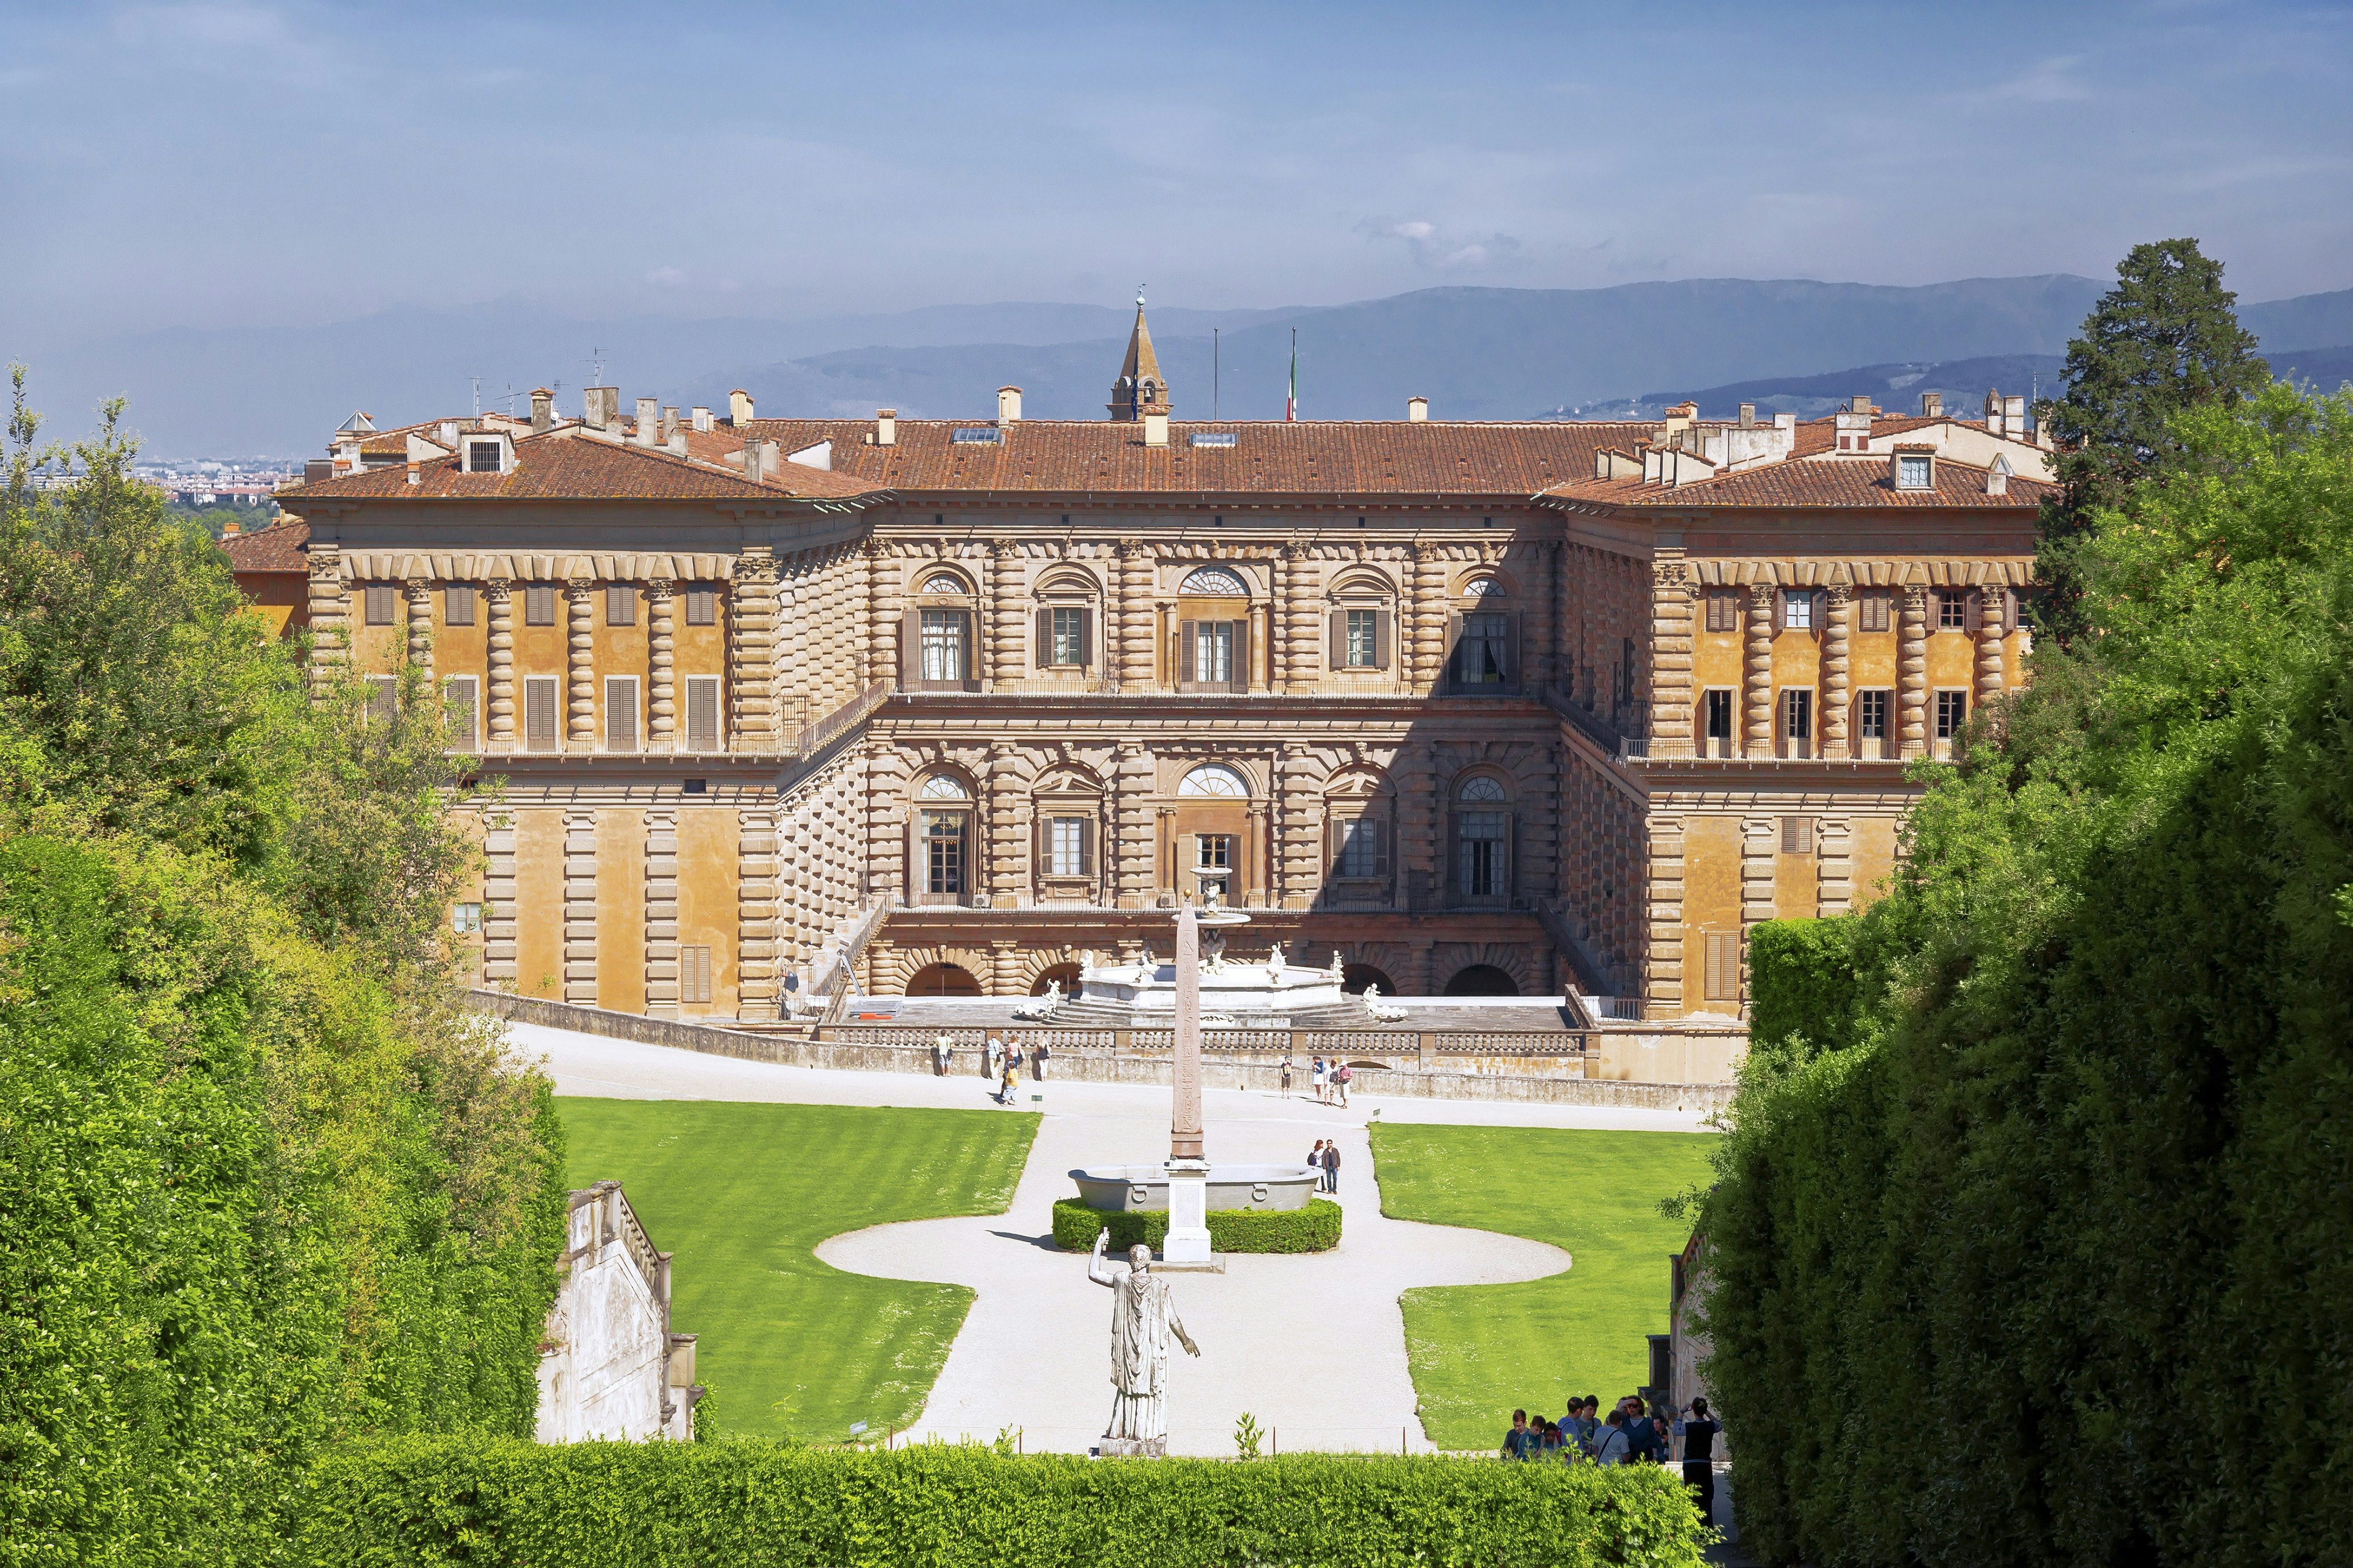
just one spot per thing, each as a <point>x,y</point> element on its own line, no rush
<point>419,591</point>
<point>751,651</point>
<point>1299,828</point>
<point>756,915</point>
<point>1540,639</point>
<point>498,901</point>
<point>795,667</point>
<point>1257,870</point>
<point>1007,589</point>
<point>1671,659</point>
<point>882,614</point>
<point>1838,693</point>
<point>1001,804</point>
<point>580,664</point>
<point>1756,674</point>
<point>1663,992</point>
<point>580,907</point>
<point>1988,671</point>
<point>1834,866</point>
<point>1429,617</point>
<point>498,595</point>
<point>1131,828</point>
<point>1136,614</point>
<point>330,617</point>
<point>1005,969</point>
<point>1912,672</point>
<point>1416,854</point>
<point>662,654</point>
<point>1760,842</point>
<point>661,912</point>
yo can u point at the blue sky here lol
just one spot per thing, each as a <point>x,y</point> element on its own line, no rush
<point>229,165</point>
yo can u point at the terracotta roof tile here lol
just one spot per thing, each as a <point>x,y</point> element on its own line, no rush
<point>1847,482</point>
<point>277,548</point>
<point>568,466</point>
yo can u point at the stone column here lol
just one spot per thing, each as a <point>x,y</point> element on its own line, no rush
<point>755,914</point>
<point>882,614</point>
<point>795,667</point>
<point>661,649</point>
<point>580,664</point>
<point>751,651</point>
<point>1837,686</point>
<point>1912,672</point>
<point>1756,674</point>
<point>1137,671</point>
<point>1671,659</point>
<point>1663,992</point>
<point>421,628</point>
<point>1005,968</point>
<point>1421,970</point>
<point>1005,613</point>
<point>330,615</point>
<point>499,593</point>
<point>1258,879</point>
<point>498,901</point>
<point>1834,866</point>
<point>1133,871</point>
<point>1001,808</point>
<point>1989,672</point>
<point>1760,841</point>
<point>1540,633</point>
<point>1429,617</point>
<point>1415,855</point>
<point>580,907</point>
<point>661,912</point>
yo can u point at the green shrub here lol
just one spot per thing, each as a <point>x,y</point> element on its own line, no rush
<point>1315,1229</point>
<point>713,1505</point>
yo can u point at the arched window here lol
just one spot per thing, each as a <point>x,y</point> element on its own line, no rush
<point>945,583</point>
<point>1215,779</point>
<point>1214,583</point>
<point>1483,588</point>
<point>1482,788</point>
<point>939,863</point>
<point>1482,840</point>
<point>943,786</point>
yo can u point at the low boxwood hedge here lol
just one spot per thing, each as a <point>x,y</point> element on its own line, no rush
<point>432,1501</point>
<point>1315,1229</point>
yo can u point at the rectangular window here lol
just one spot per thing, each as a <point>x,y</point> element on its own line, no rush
<point>1952,713</point>
<point>461,710</point>
<point>1213,851</point>
<point>701,606</point>
<point>1797,717</point>
<point>620,604</point>
<point>694,974</point>
<point>1066,838</point>
<point>1364,639</point>
<point>1360,849</point>
<point>483,456</point>
<point>702,713</point>
<point>539,604</point>
<point>383,604</point>
<point>1482,659</point>
<point>1213,651</point>
<point>620,712</point>
<point>1797,835</point>
<point>539,713</point>
<point>1871,715</point>
<point>1723,612</point>
<point>1718,720</point>
<point>943,848</point>
<point>384,695</point>
<point>458,605</point>
<point>1723,979</point>
<point>1798,610</point>
<point>1914,473</point>
<point>1871,612</point>
<point>465,918</point>
<point>1481,835</point>
<point>1068,628</point>
<point>1952,610</point>
<point>945,644</point>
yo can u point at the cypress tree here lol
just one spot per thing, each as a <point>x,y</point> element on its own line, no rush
<point>2164,339</point>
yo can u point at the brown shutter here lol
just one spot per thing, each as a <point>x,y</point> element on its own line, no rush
<point>1086,846</point>
<point>910,647</point>
<point>701,715</point>
<point>1511,855</point>
<point>1973,612</point>
<point>1086,638</point>
<point>968,650</point>
<point>1382,636</point>
<point>1045,637</point>
<point>1039,830</point>
<point>913,880</point>
<point>1450,875</point>
<point>1336,837</point>
<point>1184,653</point>
<point>1339,639</point>
<point>1241,681</point>
<point>1511,650</point>
<point>1454,650</point>
<point>1380,845</point>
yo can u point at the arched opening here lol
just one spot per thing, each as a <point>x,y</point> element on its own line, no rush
<point>942,980</point>
<point>1067,974</point>
<point>1354,977</point>
<point>1481,980</point>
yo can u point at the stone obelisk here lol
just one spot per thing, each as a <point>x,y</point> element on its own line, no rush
<point>1188,1168</point>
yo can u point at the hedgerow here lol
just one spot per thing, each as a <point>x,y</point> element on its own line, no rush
<point>1313,1229</point>
<point>2031,1243</point>
<point>742,1501</point>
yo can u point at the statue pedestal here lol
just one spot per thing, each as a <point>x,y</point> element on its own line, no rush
<point>1188,1212</point>
<point>1132,1448</point>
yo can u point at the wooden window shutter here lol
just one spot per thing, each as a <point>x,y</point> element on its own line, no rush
<point>1973,612</point>
<point>1797,835</point>
<point>1450,875</point>
<point>620,713</point>
<point>1339,620</point>
<point>910,647</point>
<point>539,714</point>
<point>1086,638</point>
<point>1336,838</point>
<point>1511,650</point>
<point>1045,637</point>
<point>912,845</point>
<point>1454,649</point>
<point>1184,652</point>
<point>701,714</point>
<point>1241,681</point>
<point>1381,846</point>
<point>1722,979</point>
<point>1382,636</point>
<point>1040,842</point>
<point>1086,846</point>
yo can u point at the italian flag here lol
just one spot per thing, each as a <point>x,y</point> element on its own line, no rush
<point>1291,403</point>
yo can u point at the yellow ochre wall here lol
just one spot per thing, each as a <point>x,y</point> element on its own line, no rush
<point>621,909</point>
<point>707,844</point>
<point>539,904</point>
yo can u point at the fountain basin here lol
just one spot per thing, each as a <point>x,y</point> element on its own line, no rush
<point>1112,1188</point>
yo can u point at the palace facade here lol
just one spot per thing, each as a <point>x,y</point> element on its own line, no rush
<point>1482,708</point>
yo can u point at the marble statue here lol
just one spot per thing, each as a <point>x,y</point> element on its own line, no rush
<point>1338,971</point>
<point>1143,1317</point>
<point>1274,960</point>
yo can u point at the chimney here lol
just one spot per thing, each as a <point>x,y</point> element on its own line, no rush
<point>1008,405</point>
<point>1932,406</point>
<point>1993,412</point>
<point>886,426</point>
<point>348,456</point>
<point>317,468</point>
<point>543,410</point>
<point>771,459</point>
<point>1155,429</point>
<point>2013,418</point>
<point>1998,477</point>
<point>669,425</point>
<point>739,408</point>
<point>450,433</point>
<point>649,417</point>
<point>1748,416</point>
<point>702,419</point>
<point>602,407</point>
<point>1417,410</point>
<point>415,474</point>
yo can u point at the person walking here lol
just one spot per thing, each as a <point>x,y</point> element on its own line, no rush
<point>1331,1166</point>
<point>995,1056</point>
<point>1038,1062</point>
<point>940,1048</point>
<point>1011,1094</point>
<point>1286,1075</point>
<point>1700,1431</point>
<point>1340,1078</point>
<point>1315,1159</point>
<point>1315,1079</point>
<point>1611,1448</point>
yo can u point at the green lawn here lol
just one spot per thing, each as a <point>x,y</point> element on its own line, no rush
<point>742,1192</point>
<point>1477,1351</point>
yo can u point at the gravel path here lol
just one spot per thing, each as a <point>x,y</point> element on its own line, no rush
<point>1313,1346</point>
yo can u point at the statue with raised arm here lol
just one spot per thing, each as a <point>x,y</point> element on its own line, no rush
<point>1142,1316</point>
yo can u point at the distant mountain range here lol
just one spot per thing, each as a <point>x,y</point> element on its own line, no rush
<point>1477,354</point>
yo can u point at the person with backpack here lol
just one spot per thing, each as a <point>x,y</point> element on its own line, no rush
<point>1340,1080</point>
<point>1518,1441</point>
<point>1612,1448</point>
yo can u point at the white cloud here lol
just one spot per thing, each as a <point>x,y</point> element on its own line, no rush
<point>2046,81</point>
<point>1436,250</point>
<point>667,278</point>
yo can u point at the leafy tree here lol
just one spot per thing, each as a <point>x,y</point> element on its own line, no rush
<point>2163,339</point>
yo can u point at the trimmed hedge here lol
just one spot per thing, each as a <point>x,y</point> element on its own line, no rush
<point>1315,1229</point>
<point>712,1505</point>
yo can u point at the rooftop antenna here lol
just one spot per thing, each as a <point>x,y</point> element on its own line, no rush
<point>510,400</point>
<point>595,366</point>
<point>1213,374</point>
<point>477,397</point>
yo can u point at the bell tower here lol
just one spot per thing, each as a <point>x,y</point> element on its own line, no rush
<point>1140,390</point>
